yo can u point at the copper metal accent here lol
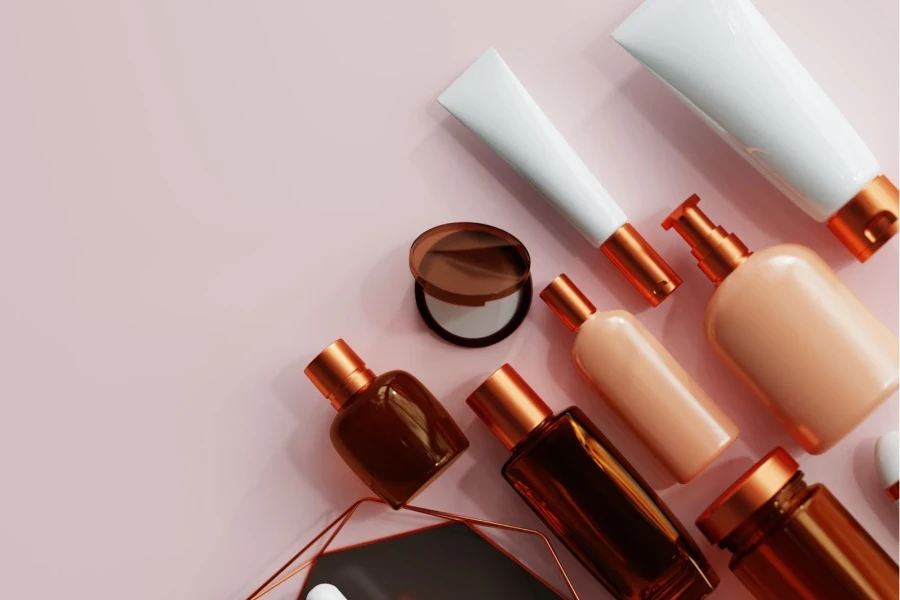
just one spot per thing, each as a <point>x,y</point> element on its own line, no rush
<point>567,302</point>
<point>718,252</point>
<point>279,577</point>
<point>338,373</point>
<point>893,492</point>
<point>747,495</point>
<point>869,220</point>
<point>508,406</point>
<point>641,265</point>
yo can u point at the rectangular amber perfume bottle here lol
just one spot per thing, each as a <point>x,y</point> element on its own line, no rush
<point>590,497</point>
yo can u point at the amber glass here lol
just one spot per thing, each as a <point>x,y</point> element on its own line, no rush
<point>396,436</point>
<point>605,514</point>
<point>804,545</point>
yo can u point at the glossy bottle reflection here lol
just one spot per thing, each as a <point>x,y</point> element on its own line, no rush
<point>589,496</point>
<point>784,322</point>
<point>389,429</point>
<point>796,542</point>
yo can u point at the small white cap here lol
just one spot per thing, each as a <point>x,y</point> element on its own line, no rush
<point>325,591</point>
<point>887,460</point>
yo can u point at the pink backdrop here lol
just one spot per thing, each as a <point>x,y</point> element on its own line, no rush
<point>197,196</point>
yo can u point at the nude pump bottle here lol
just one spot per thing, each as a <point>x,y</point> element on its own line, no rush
<point>792,331</point>
<point>590,497</point>
<point>643,383</point>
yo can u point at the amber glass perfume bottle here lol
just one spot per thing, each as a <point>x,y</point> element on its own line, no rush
<point>791,541</point>
<point>389,428</point>
<point>590,497</point>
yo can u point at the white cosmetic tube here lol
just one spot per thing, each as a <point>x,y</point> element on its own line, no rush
<point>325,591</point>
<point>490,101</point>
<point>724,61</point>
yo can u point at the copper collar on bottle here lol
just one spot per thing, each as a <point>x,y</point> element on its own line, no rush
<point>747,495</point>
<point>641,265</point>
<point>718,252</point>
<point>338,373</point>
<point>508,406</point>
<point>869,220</point>
<point>567,302</point>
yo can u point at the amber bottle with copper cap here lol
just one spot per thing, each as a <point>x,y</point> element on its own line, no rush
<point>389,428</point>
<point>643,383</point>
<point>791,541</point>
<point>590,497</point>
<point>784,322</point>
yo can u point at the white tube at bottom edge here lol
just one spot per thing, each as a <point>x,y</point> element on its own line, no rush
<point>325,591</point>
<point>727,64</point>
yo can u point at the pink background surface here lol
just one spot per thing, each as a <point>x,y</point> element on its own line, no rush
<point>198,196</point>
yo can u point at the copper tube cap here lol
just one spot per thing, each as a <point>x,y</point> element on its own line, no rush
<point>338,373</point>
<point>508,406</point>
<point>869,220</point>
<point>718,252</point>
<point>747,495</point>
<point>641,265</point>
<point>567,302</point>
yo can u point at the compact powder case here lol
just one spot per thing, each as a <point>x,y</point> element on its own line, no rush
<point>473,282</point>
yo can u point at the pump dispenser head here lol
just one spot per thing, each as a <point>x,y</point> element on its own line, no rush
<point>338,373</point>
<point>567,302</point>
<point>718,252</point>
<point>508,406</point>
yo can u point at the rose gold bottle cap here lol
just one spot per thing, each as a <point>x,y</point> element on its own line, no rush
<point>641,265</point>
<point>869,220</point>
<point>508,406</point>
<point>747,495</point>
<point>338,373</point>
<point>718,252</point>
<point>567,302</point>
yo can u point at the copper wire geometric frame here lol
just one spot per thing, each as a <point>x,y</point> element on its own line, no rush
<point>279,577</point>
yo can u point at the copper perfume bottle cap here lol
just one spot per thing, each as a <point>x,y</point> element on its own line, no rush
<point>641,264</point>
<point>718,252</point>
<point>338,373</point>
<point>508,406</point>
<point>869,220</point>
<point>567,302</point>
<point>747,495</point>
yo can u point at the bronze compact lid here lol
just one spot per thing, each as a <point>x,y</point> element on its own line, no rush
<point>473,282</point>
<point>747,495</point>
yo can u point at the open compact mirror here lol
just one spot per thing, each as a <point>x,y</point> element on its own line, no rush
<point>473,282</point>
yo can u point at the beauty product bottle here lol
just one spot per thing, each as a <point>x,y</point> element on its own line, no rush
<point>325,591</point>
<point>495,106</point>
<point>791,541</point>
<point>887,463</point>
<point>727,64</point>
<point>792,331</point>
<point>643,383</point>
<point>389,428</point>
<point>590,497</point>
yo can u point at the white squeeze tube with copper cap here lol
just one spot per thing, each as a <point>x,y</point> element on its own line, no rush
<point>490,101</point>
<point>727,64</point>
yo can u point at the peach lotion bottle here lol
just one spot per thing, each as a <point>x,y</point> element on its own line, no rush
<point>590,497</point>
<point>793,541</point>
<point>792,331</point>
<point>644,384</point>
<point>389,428</point>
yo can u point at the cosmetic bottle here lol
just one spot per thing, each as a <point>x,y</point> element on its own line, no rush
<point>325,591</point>
<point>792,331</point>
<point>490,101</point>
<point>727,64</point>
<point>590,497</point>
<point>791,541</point>
<point>887,464</point>
<point>643,383</point>
<point>389,428</point>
